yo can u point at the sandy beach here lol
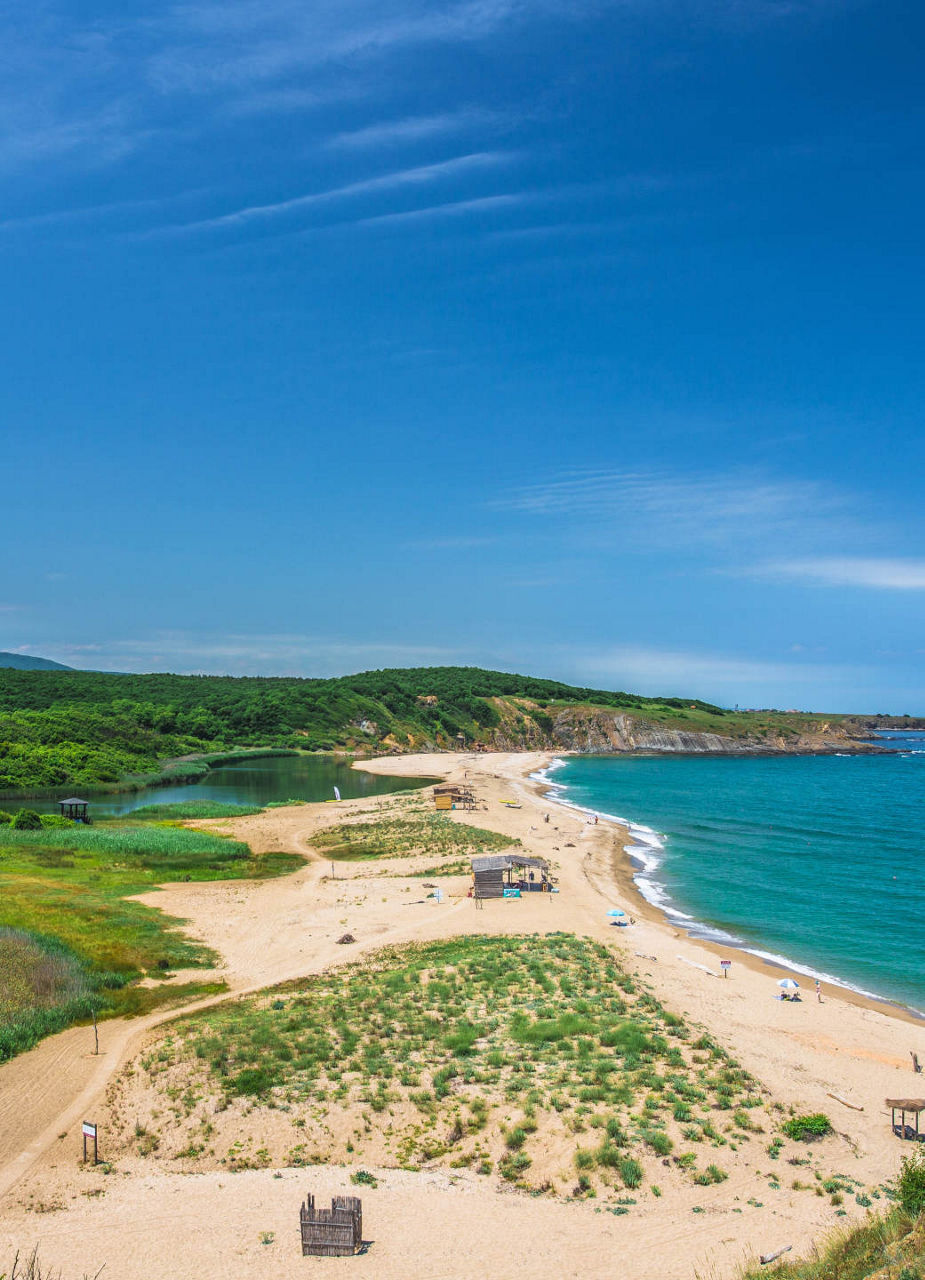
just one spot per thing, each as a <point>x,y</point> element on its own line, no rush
<point>150,1220</point>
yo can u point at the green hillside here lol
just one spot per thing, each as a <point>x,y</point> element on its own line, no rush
<point>86,729</point>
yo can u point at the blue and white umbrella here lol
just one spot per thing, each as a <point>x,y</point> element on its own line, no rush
<point>615,912</point>
<point>788,984</point>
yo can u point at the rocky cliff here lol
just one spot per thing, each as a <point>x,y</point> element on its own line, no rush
<point>599,731</point>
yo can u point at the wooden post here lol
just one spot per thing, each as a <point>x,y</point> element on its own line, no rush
<point>96,1035</point>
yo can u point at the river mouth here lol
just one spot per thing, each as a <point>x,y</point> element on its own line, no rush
<point>257,782</point>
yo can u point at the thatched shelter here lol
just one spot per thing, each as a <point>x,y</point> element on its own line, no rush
<point>494,872</point>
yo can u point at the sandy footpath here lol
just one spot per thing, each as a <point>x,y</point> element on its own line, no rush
<point>147,1223</point>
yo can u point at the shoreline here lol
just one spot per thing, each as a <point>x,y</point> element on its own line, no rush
<point>700,931</point>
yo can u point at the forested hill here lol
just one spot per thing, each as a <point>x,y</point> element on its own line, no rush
<point>81,728</point>
<point>26,662</point>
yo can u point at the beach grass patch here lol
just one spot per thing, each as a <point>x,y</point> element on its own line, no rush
<point>406,835</point>
<point>439,1048</point>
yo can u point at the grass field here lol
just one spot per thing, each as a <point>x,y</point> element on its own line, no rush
<point>69,888</point>
<point>479,1051</point>
<point>405,836</point>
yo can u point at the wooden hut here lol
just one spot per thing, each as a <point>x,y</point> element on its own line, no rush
<point>494,872</point>
<point>331,1233</point>
<point>453,796</point>
<point>912,1107</point>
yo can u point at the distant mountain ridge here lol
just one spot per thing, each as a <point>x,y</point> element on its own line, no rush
<point>26,662</point>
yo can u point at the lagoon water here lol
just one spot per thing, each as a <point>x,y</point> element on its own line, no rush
<point>816,860</point>
<point>254,782</point>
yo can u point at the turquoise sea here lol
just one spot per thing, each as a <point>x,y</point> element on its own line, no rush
<point>814,861</point>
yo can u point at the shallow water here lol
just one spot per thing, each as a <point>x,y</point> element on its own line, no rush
<point>818,859</point>
<point>252,782</point>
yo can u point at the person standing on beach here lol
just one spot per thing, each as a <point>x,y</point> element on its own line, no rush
<point>818,991</point>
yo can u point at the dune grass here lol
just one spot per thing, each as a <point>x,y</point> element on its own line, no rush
<point>462,1050</point>
<point>858,1252</point>
<point>407,835</point>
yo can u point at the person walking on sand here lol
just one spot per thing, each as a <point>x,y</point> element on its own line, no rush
<point>818,991</point>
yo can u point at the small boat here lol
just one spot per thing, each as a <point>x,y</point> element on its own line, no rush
<point>511,804</point>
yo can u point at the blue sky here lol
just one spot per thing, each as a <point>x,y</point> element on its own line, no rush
<point>579,338</point>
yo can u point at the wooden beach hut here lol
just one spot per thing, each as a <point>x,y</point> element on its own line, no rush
<point>453,796</point>
<point>495,872</point>
<point>914,1108</point>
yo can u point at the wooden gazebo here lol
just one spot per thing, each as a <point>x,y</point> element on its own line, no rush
<point>74,809</point>
<point>914,1107</point>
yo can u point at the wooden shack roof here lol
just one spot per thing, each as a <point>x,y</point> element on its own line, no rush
<point>73,800</point>
<point>906,1104</point>
<point>504,861</point>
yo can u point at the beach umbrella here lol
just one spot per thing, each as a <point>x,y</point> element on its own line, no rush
<point>788,984</point>
<point>615,911</point>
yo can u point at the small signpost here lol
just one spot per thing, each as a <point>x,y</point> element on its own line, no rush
<point>89,1131</point>
<point>725,965</point>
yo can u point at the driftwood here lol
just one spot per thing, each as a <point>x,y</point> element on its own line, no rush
<point>765,1258</point>
<point>844,1101</point>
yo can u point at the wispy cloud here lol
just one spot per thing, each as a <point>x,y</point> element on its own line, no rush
<point>421,175</point>
<point>452,208</point>
<point>242,44</point>
<point>734,508</point>
<point>412,129</point>
<point>851,571</point>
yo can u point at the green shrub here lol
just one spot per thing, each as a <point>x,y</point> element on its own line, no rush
<point>631,1173</point>
<point>910,1182</point>
<point>515,1139</point>
<point>609,1156</point>
<point>27,820</point>
<point>659,1141</point>
<point>253,1080</point>
<point>805,1128</point>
